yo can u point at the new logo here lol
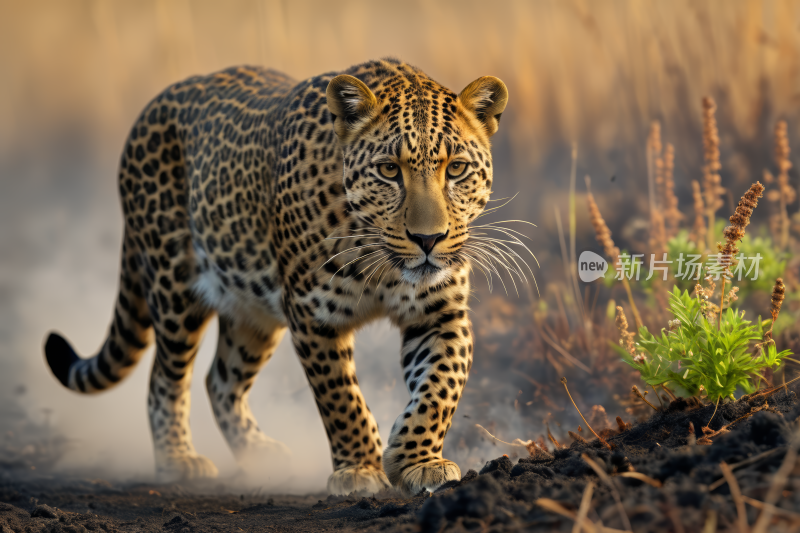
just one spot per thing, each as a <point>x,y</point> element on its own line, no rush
<point>591,266</point>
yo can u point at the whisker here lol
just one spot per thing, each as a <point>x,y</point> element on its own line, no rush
<point>487,211</point>
<point>391,265</point>
<point>352,230</point>
<point>483,255</point>
<point>345,251</point>
<point>489,263</point>
<point>350,280</point>
<point>500,199</point>
<point>501,228</point>
<point>487,275</point>
<point>474,262</point>
<point>353,261</point>
<point>505,244</point>
<point>510,254</point>
<point>366,235</point>
<point>501,259</point>
<point>506,254</point>
<point>366,282</point>
<point>517,241</point>
<point>492,267</point>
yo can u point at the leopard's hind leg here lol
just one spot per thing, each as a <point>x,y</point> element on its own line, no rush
<point>180,323</point>
<point>242,351</point>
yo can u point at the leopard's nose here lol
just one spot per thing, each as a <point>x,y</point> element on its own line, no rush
<point>426,242</point>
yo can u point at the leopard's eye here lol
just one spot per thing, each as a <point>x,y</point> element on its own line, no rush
<point>456,169</point>
<point>389,170</point>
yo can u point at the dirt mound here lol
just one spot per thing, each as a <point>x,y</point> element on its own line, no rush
<point>539,493</point>
<point>663,448</point>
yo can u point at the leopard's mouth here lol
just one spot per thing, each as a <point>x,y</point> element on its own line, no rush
<point>430,271</point>
<point>425,269</point>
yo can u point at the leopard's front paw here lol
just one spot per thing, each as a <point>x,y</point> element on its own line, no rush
<point>427,476</point>
<point>362,479</point>
<point>175,467</point>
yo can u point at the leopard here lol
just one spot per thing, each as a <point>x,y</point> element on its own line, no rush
<point>315,206</point>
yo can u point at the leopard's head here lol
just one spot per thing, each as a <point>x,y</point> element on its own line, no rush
<point>417,163</point>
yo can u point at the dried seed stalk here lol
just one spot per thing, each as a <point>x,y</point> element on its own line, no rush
<point>778,294</point>
<point>672,215</point>
<point>658,233</point>
<point>712,183</point>
<point>787,192</point>
<point>625,336</point>
<point>603,235</point>
<point>655,164</point>
<point>734,233</point>
<point>698,235</point>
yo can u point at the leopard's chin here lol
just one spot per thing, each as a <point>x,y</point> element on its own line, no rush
<point>425,274</point>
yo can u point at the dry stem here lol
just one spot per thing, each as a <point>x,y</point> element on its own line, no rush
<point>698,235</point>
<point>610,482</point>
<point>603,235</point>
<point>625,336</point>
<point>778,294</point>
<point>551,438</point>
<point>672,214</point>
<point>786,192</point>
<point>712,187</point>
<point>736,494</point>
<point>583,510</point>
<point>636,391</point>
<point>750,460</point>
<point>778,482</point>
<point>775,510</point>
<point>601,439</point>
<point>734,233</point>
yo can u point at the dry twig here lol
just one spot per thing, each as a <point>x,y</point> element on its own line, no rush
<point>778,482</point>
<point>736,494</point>
<point>775,510</point>
<point>601,439</point>
<point>642,477</point>
<point>610,482</point>
<point>530,445</point>
<point>583,510</point>
<point>638,393</point>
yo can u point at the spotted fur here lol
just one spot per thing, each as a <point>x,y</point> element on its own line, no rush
<point>264,200</point>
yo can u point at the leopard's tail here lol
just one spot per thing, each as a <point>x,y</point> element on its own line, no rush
<point>129,336</point>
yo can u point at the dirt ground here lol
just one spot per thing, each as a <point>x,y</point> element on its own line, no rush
<point>756,433</point>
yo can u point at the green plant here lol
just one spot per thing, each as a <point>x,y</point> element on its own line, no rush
<point>771,265</point>
<point>696,355</point>
<point>677,246</point>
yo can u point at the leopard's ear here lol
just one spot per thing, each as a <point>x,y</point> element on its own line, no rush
<point>352,105</point>
<point>487,98</point>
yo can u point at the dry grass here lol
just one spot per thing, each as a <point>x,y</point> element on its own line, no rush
<point>596,73</point>
<point>784,194</point>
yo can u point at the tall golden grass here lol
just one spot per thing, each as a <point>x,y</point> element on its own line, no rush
<point>592,72</point>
